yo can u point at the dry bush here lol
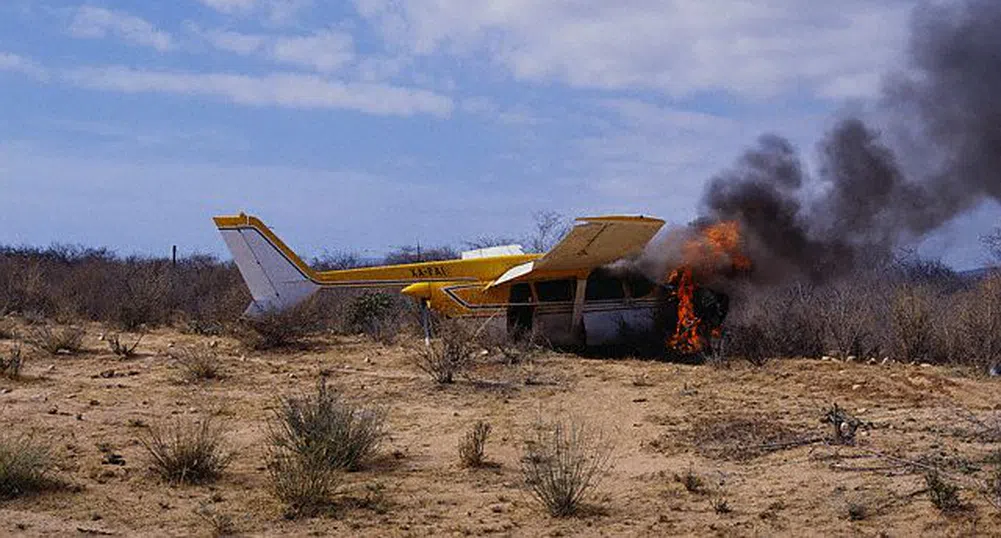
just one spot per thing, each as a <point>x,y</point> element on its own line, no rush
<point>720,505</point>
<point>197,364</point>
<point>57,339</point>
<point>472,444</point>
<point>912,321</point>
<point>448,355</point>
<point>187,452</point>
<point>741,437</point>
<point>25,467</point>
<point>943,494</point>
<point>563,463</point>
<point>219,524</point>
<point>144,294</point>
<point>345,435</point>
<point>276,328</point>
<point>979,318</point>
<point>122,348</point>
<point>8,331</point>
<point>377,314</point>
<point>11,364</point>
<point>301,481</point>
<point>693,482</point>
<point>853,310</point>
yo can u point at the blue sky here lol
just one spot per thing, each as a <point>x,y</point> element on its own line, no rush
<point>368,124</point>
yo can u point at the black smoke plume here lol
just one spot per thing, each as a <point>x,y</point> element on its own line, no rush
<point>946,103</point>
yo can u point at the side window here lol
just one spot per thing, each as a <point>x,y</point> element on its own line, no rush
<point>555,290</point>
<point>639,286</point>
<point>602,286</point>
<point>521,293</point>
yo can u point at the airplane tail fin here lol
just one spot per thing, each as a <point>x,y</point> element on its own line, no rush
<point>276,276</point>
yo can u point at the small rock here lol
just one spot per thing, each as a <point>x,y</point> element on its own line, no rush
<point>53,410</point>
<point>925,365</point>
<point>192,410</point>
<point>497,508</point>
<point>886,360</point>
<point>856,386</point>
<point>214,343</point>
<point>95,403</point>
<point>368,360</point>
<point>113,458</point>
<point>170,344</point>
<point>291,375</point>
<point>861,410</point>
<point>851,358</point>
<point>50,368</point>
<point>827,358</point>
<point>872,360</point>
<point>4,391</point>
<point>243,358</point>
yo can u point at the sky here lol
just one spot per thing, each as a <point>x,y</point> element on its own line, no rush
<point>365,125</point>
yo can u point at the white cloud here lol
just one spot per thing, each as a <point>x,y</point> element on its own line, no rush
<point>680,47</point>
<point>19,64</point>
<point>95,23</point>
<point>230,6</point>
<point>276,11</point>
<point>284,90</point>
<point>324,51</point>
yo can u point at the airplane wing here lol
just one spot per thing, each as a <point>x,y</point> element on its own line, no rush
<point>591,243</point>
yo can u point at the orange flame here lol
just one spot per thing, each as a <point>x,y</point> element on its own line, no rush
<point>715,250</point>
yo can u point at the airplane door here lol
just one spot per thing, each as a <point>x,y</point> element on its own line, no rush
<point>554,313</point>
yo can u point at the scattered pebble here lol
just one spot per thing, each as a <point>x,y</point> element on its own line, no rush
<point>856,386</point>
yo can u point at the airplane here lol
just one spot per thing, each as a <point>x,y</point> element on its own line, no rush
<point>570,295</point>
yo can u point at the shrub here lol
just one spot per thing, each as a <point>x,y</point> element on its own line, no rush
<point>912,322</point>
<point>301,480</point>
<point>448,355</point>
<point>277,328</point>
<point>472,444</point>
<point>10,366</point>
<point>376,314</point>
<point>219,524</point>
<point>563,463</point>
<point>58,340</point>
<point>721,505</point>
<point>944,495</point>
<point>323,425</point>
<point>857,510</point>
<point>25,467</point>
<point>693,483</point>
<point>122,348</point>
<point>197,364</point>
<point>187,452</point>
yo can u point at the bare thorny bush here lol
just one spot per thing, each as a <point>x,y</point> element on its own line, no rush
<point>57,339</point>
<point>197,364</point>
<point>472,445</point>
<point>121,347</point>
<point>563,463</point>
<point>11,362</point>
<point>449,354</point>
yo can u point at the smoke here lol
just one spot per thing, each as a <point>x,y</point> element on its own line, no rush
<point>861,204</point>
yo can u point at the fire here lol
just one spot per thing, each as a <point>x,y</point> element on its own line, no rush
<point>715,250</point>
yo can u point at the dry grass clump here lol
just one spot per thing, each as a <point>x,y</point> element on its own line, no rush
<point>121,347</point>
<point>198,364</point>
<point>57,340</point>
<point>11,363</point>
<point>344,435</point>
<point>219,524</point>
<point>25,467</point>
<point>693,482</point>
<point>187,452</point>
<point>302,481</point>
<point>473,443</point>
<point>448,355</point>
<point>563,463</point>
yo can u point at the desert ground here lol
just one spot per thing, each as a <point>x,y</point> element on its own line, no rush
<point>754,437</point>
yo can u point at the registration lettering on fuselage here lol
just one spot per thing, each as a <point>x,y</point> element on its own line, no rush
<point>429,272</point>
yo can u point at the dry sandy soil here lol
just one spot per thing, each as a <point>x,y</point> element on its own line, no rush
<point>665,420</point>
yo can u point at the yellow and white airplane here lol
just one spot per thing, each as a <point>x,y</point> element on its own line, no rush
<point>567,295</point>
